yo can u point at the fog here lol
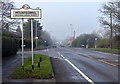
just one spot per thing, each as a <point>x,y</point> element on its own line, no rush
<point>57,17</point>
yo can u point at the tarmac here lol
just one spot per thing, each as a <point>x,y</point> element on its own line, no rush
<point>9,65</point>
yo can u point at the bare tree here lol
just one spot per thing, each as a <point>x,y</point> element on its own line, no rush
<point>111,18</point>
<point>6,22</point>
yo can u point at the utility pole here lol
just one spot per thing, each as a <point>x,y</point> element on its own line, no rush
<point>74,34</point>
<point>111,32</point>
<point>71,29</point>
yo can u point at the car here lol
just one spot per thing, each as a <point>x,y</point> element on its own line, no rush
<point>54,46</point>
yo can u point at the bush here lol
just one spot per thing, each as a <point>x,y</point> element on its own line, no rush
<point>9,46</point>
<point>103,43</point>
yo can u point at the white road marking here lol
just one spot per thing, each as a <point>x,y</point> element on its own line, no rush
<point>88,79</point>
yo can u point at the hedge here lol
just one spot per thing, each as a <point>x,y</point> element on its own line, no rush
<point>9,46</point>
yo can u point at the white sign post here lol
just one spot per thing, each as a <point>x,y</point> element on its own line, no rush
<point>22,48</point>
<point>32,45</point>
<point>24,13</point>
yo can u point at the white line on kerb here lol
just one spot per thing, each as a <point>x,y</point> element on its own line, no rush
<point>88,79</point>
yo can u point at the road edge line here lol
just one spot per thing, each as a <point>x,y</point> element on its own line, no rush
<point>87,78</point>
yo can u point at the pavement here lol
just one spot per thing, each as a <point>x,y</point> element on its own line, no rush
<point>72,65</point>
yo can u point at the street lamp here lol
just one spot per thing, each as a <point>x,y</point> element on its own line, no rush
<point>45,43</point>
<point>87,43</point>
<point>36,38</point>
<point>95,42</point>
<point>36,35</point>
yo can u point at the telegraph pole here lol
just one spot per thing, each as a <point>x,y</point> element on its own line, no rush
<point>74,35</point>
<point>71,29</point>
<point>111,33</point>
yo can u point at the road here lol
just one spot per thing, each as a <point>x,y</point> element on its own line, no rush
<point>73,65</point>
<point>82,65</point>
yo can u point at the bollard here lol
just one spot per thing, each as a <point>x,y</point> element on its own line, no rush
<point>23,68</point>
<point>38,64</point>
<point>40,59</point>
<point>32,68</point>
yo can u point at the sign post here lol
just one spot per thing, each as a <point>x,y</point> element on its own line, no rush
<point>22,48</point>
<point>25,13</point>
<point>32,44</point>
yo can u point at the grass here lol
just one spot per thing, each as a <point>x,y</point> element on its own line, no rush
<point>108,49</point>
<point>41,46</point>
<point>44,72</point>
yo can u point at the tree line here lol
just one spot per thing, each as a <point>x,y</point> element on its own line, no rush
<point>110,36</point>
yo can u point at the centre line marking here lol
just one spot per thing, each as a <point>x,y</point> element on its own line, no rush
<point>88,79</point>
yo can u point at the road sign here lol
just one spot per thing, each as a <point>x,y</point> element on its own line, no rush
<point>26,12</point>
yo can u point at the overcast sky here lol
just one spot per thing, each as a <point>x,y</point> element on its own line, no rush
<point>57,17</point>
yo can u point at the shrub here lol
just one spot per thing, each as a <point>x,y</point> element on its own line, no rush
<point>103,43</point>
<point>9,46</point>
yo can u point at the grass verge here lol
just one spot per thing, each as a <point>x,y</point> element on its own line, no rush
<point>44,72</point>
<point>108,49</point>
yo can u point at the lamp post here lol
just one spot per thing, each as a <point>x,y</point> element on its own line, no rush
<point>87,43</point>
<point>71,29</point>
<point>45,43</point>
<point>95,42</point>
<point>36,38</point>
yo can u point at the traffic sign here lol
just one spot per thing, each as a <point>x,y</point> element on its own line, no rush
<point>26,12</point>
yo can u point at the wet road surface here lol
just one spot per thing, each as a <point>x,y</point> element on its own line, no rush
<point>74,65</point>
<point>83,65</point>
